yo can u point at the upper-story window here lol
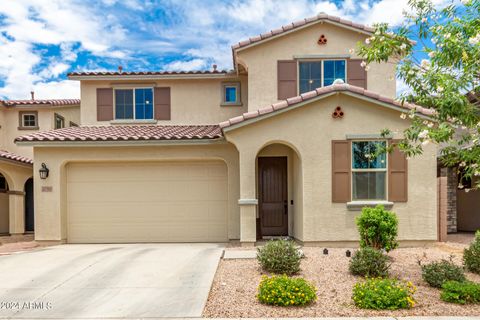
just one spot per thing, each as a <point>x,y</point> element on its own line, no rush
<point>231,94</point>
<point>315,74</point>
<point>28,120</point>
<point>134,104</point>
<point>59,121</point>
<point>369,170</point>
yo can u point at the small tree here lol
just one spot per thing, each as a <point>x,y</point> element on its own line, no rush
<point>378,228</point>
<point>448,40</point>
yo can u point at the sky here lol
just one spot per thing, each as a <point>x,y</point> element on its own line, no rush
<point>42,40</point>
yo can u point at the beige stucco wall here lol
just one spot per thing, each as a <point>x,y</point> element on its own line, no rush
<point>193,101</point>
<point>310,129</point>
<point>51,207</point>
<point>261,60</point>
<point>9,124</point>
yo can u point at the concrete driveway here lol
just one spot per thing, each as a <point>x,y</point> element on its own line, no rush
<point>108,281</point>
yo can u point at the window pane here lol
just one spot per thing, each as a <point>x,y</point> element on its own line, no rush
<point>369,185</point>
<point>29,120</point>
<point>363,155</point>
<point>230,94</point>
<point>144,103</point>
<point>304,70</point>
<point>334,69</point>
<point>124,104</point>
<point>315,70</point>
<point>310,75</point>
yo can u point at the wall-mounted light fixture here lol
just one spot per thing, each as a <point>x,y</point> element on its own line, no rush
<point>43,171</point>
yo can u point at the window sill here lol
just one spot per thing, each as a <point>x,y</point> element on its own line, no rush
<point>133,121</point>
<point>28,128</point>
<point>358,205</point>
<point>236,104</point>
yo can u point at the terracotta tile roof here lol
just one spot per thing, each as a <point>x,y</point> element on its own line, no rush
<point>143,73</point>
<point>297,24</point>
<point>15,157</point>
<point>125,133</point>
<point>312,95</point>
<point>49,102</point>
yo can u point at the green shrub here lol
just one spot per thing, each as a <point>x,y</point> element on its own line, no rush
<point>280,256</point>
<point>439,272</point>
<point>460,292</point>
<point>369,262</point>
<point>378,228</point>
<point>471,255</point>
<point>285,291</point>
<point>384,294</point>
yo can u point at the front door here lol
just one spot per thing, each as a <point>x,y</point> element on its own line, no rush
<point>272,196</point>
<point>29,215</point>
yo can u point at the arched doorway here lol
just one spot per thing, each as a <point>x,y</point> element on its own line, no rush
<point>4,206</point>
<point>29,209</point>
<point>279,192</point>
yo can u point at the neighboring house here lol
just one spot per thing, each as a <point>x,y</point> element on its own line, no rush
<point>19,117</point>
<point>272,148</point>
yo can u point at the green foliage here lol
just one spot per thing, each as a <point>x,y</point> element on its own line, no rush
<point>439,272</point>
<point>460,292</point>
<point>471,255</point>
<point>280,256</point>
<point>285,291</point>
<point>378,228</point>
<point>384,294</point>
<point>369,262</point>
<point>438,82</point>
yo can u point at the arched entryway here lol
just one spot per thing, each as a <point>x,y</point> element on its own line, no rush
<point>279,192</point>
<point>4,206</point>
<point>29,208</point>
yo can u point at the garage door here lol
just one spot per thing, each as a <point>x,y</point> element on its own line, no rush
<point>147,202</point>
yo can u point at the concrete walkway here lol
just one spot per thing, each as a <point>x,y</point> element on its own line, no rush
<point>108,281</point>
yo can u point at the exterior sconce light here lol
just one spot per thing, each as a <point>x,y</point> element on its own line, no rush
<point>43,171</point>
<point>325,251</point>
<point>348,253</point>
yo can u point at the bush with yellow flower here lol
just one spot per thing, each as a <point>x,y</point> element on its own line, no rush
<point>384,294</point>
<point>286,291</point>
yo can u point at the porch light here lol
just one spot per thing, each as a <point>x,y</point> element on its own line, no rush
<point>325,251</point>
<point>44,171</point>
<point>348,253</point>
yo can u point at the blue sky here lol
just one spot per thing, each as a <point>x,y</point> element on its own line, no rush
<point>42,40</point>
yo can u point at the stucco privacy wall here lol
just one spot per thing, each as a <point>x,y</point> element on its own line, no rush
<point>9,122</point>
<point>16,175</point>
<point>309,130</point>
<point>50,207</point>
<point>193,101</point>
<point>261,60</point>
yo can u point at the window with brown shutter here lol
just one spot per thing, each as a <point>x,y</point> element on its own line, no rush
<point>341,171</point>
<point>162,102</point>
<point>397,175</point>
<point>356,74</point>
<point>287,79</point>
<point>104,104</point>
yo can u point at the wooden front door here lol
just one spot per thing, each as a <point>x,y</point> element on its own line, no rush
<point>272,196</point>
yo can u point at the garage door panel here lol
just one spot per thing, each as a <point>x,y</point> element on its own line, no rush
<point>150,205</point>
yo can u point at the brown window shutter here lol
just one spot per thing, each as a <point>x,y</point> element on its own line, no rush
<point>341,171</point>
<point>104,104</point>
<point>287,79</point>
<point>397,175</point>
<point>162,103</point>
<point>356,74</point>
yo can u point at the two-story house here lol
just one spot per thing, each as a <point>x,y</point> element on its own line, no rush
<point>19,117</point>
<point>280,146</point>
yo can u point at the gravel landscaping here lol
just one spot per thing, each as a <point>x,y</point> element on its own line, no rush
<point>233,293</point>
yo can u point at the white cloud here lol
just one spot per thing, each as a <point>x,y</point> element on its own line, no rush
<point>402,87</point>
<point>56,90</point>
<point>194,64</point>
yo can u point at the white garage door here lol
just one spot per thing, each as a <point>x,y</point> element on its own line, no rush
<point>147,202</point>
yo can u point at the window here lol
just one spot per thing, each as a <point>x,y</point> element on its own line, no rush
<point>369,170</point>
<point>59,121</point>
<point>134,104</point>
<point>311,76</point>
<point>28,120</point>
<point>231,93</point>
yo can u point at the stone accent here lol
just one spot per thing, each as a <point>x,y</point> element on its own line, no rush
<point>451,197</point>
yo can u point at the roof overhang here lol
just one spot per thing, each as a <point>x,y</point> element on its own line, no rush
<point>119,143</point>
<point>153,76</point>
